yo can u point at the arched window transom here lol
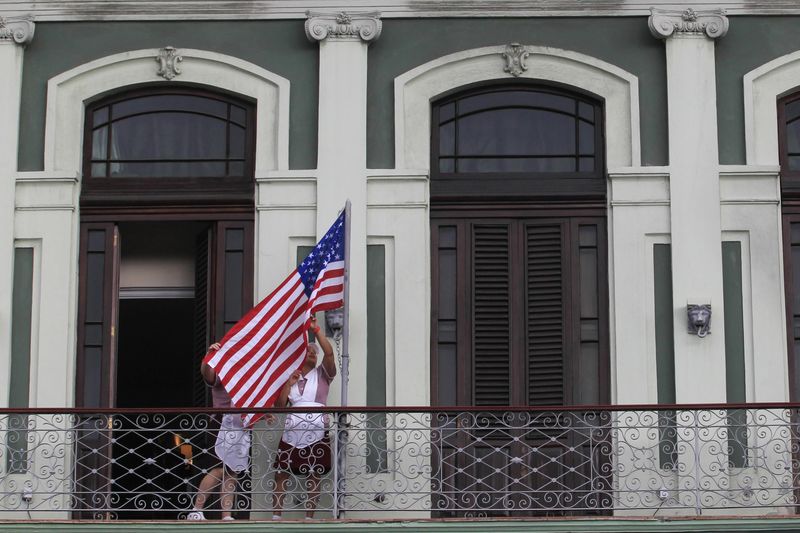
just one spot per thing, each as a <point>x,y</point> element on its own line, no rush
<point>171,134</point>
<point>511,130</point>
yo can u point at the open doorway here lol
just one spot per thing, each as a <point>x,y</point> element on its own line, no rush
<point>162,330</point>
<point>161,313</point>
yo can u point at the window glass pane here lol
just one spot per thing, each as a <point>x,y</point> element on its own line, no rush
<point>516,132</point>
<point>796,276</point>
<point>171,102</point>
<point>100,116</point>
<point>586,132</point>
<point>98,170</point>
<point>516,98</point>
<point>447,284</point>
<point>100,143</point>
<point>447,374</point>
<point>447,165</point>
<point>589,286</point>
<point>238,115</point>
<point>586,164</point>
<point>586,111</point>
<point>587,235</point>
<point>168,136</point>
<point>179,169</point>
<point>236,142</point>
<point>794,163</point>
<point>236,169</point>
<point>545,164</point>
<point>447,112</point>
<point>588,392</point>
<point>792,110</point>
<point>793,137</point>
<point>447,139</point>
<point>447,237</point>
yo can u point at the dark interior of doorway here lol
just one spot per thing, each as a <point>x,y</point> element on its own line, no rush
<point>155,350</point>
<point>161,338</point>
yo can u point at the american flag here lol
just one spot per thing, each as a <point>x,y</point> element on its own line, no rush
<point>260,352</point>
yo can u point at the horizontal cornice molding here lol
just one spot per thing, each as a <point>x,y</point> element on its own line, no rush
<point>72,10</point>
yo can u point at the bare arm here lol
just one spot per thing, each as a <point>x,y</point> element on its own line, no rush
<point>328,360</point>
<point>206,371</point>
<point>283,397</point>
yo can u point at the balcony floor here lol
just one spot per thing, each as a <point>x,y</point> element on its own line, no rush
<point>495,525</point>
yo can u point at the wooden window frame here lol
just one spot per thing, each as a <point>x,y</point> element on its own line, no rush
<point>566,186</point>
<point>102,193</point>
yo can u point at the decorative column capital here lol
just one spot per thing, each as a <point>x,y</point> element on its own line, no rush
<point>16,30</point>
<point>666,23</point>
<point>343,26</point>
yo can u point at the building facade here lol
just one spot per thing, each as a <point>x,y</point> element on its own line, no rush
<point>543,198</point>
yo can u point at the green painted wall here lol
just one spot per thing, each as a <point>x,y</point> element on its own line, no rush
<point>624,42</point>
<point>20,373</point>
<point>750,42</point>
<point>21,312</point>
<point>278,46</point>
<point>665,331</point>
<point>734,351</point>
<point>734,321</point>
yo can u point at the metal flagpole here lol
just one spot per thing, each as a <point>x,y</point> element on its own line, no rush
<point>346,325</point>
<point>342,423</point>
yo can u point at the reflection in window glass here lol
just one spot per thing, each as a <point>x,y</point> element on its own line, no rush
<point>169,136</point>
<point>528,130</point>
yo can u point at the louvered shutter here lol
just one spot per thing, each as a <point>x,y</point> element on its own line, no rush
<point>545,297</point>
<point>200,392</point>
<point>491,315</point>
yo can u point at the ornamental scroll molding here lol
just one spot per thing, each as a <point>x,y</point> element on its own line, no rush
<point>666,23</point>
<point>18,30</point>
<point>343,26</point>
<point>168,60</point>
<point>515,56</point>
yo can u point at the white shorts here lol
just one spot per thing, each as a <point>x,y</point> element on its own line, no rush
<point>233,443</point>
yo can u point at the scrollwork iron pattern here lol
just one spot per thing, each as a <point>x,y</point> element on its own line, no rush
<point>437,462</point>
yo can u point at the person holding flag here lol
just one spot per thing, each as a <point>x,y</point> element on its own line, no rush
<point>261,351</point>
<point>305,447</point>
<point>268,346</point>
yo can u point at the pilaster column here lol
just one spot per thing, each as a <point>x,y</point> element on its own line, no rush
<point>694,195</point>
<point>14,35</point>
<point>342,158</point>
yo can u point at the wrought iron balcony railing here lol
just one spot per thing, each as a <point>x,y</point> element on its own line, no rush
<point>452,462</point>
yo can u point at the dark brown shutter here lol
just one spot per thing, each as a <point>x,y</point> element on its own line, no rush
<point>96,365</point>
<point>544,257</point>
<point>201,319</point>
<point>233,274</point>
<point>491,316</point>
<point>97,315</point>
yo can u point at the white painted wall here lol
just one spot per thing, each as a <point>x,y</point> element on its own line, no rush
<point>11,55</point>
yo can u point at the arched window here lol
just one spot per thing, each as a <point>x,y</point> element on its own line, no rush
<point>149,142</point>
<point>519,291</point>
<point>536,132</point>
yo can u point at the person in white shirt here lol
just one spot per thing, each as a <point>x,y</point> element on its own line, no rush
<point>305,448</point>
